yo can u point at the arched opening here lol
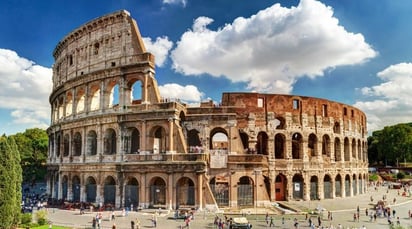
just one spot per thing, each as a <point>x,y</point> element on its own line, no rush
<point>64,187</point>
<point>297,181</point>
<point>157,193</point>
<point>91,190</point>
<point>114,95</point>
<point>95,98</point>
<point>313,145</point>
<point>262,143</point>
<point>110,142</point>
<point>353,148</point>
<point>58,142</point>
<point>76,189</point>
<point>77,144</point>
<point>281,123</point>
<point>66,145</point>
<point>185,193</point>
<point>91,146</point>
<point>69,104</point>
<point>80,101</point>
<point>159,140</point>
<point>219,140</point>
<point>135,141</point>
<point>280,141</point>
<point>280,187</point>
<point>347,185</point>
<point>326,145</point>
<point>110,191</point>
<point>354,185</point>
<point>360,151</point>
<point>314,188</point>
<point>327,187</point>
<point>346,149</point>
<point>131,193</point>
<point>245,191</point>
<point>245,140</point>
<point>193,140</point>
<point>136,93</point>
<point>360,184</point>
<point>338,186</point>
<point>220,190</point>
<point>338,155</point>
<point>296,146</point>
<point>336,128</point>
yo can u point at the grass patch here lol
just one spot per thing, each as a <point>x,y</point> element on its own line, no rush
<point>47,227</point>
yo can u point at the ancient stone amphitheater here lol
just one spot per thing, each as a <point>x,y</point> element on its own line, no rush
<point>114,140</point>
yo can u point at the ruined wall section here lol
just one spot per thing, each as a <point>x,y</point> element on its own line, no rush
<point>298,113</point>
<point>106,42</point>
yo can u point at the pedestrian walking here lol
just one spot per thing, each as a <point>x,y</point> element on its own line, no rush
<point>272,223</point>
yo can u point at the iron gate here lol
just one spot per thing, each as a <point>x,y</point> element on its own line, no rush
<point>221,194</point>
<point>76,192</point>
<point>185,195</point>
<point>347,187</point>
<point>64,189</point>
<point>338,189</point>
<point>131,193</point>
<point>109,194</point>
<point>157,195</point>
<point>91,193</point>
<point>245,195</point>
<point>327,189</point>
<point>298,190</point>
<point>314,191</point>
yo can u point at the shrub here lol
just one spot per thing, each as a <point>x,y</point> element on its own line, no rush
<point>26,218</point>
<point>41,217</point>
<point>400,175</point>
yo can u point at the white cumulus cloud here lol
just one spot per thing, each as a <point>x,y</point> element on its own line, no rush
<point>183,2</point>
<point>188,93</point>
<point>271,49</point>
<point>160,48</point>
<point>391,101</point>
<point>24,89</point>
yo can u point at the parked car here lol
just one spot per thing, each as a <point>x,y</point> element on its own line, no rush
<point>240,223</point>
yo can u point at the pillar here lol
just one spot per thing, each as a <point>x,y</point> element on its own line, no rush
<point>200,191</point>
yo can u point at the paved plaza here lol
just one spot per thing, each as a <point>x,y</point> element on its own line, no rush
<point>341,209</point>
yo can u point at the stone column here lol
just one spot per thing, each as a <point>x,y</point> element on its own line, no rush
<point>144,133</point>
<point>306,187</point>
<point>171,129</point>
<point>200,191</point>
<point>170,195</point>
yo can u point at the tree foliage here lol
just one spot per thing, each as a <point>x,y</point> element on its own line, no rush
<point>10,183</point>
<point>32,145</point>
<point>391,145</point>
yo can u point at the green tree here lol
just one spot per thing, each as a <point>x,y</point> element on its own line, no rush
<point>391,145</point>
<point>33,145</point>
<point>10,183</point>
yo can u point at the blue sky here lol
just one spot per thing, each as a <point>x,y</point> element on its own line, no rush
<point>354,52</point>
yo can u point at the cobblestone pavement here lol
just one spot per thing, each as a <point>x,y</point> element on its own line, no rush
<point>342,210</point>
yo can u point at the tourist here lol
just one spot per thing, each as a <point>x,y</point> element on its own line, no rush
<point>272,223</point>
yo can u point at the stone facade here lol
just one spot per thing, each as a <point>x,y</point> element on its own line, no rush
<point>114,140</point>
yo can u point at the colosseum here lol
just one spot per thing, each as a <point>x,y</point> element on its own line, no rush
<point>114,140</point>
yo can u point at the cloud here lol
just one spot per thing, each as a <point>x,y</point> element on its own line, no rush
<point>172,2</point>
<point>391,101</point>
<point>160,48</point>
<point>272,49</point>
<point>24,89</point>
<point>188,93</point>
